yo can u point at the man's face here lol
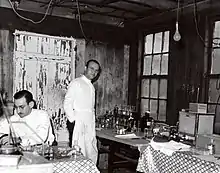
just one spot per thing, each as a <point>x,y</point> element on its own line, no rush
<point>92,70</point>
<point>22,107</point>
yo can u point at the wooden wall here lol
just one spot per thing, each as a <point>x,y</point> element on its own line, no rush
<point>186,67</point>
<point>6,66</point>
<point>112,85</point>
<point>186,61</point>
<point>107,47</point>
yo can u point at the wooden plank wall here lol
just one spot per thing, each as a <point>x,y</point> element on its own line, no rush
<point>106,34</point>
<point>186,62</point>
<point>186,67</point>
<point>42,66</point>
<point>112,85</point>
<point>6,57</point>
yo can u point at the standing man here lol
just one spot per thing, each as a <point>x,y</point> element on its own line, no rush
<point>79,106</point>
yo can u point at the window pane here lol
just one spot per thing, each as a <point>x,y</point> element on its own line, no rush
<point>158,43</point>
<point>153,108</point>
<point>211,108</point>
<point>162,110</point>
<point>217,29</point>
<point>144,106</point>
<point>215,61</point>
<point>147,65</point>
<point>164,64</point>
<point>213,92</point>
<point>156,65</point>
<point>166,41</point>
<point>216,34</point>
<point>163,88</point>
<point>145,88</point>
<point>154,88</point>
<point>148,44</point>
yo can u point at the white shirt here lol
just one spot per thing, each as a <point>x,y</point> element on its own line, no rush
<point>79,106</point>
<point>80,96</point>
<point>38,121</point>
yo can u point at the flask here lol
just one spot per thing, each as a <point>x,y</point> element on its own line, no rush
<point>134,128</point>
<point>148,119</point>
<point>151,129</point>
<point>211,147</point>
<point>115,111</point>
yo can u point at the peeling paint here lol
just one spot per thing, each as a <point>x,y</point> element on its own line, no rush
<point>43,66</point>
<point>112,85</point>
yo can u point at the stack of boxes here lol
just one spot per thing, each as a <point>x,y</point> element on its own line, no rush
<point>196,121</point>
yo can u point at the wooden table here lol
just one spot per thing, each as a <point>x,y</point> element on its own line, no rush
<point>121,151</point>
<point>79,164</point>
<point>29,163</point>
<point>154,161</point>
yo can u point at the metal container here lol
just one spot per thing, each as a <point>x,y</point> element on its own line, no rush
<point>8,149</point>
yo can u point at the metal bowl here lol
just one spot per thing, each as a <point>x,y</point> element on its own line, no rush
<point>8,149</point>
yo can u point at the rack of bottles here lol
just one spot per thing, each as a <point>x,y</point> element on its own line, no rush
<point>121,119</point>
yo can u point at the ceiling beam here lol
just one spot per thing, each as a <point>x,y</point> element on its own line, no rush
<point>156,4</point>
<point>95,4</point>
<point>109,6</point>
<point>35,7</point>
<point>184,10</point>
<point>108,1</point>
<point>84,12</point>
<point>139,3</point>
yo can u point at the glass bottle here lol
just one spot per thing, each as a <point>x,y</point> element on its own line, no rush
<point>134,128</point>
<point>211,147</point>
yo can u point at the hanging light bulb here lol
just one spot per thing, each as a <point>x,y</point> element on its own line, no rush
<point>177,35</point>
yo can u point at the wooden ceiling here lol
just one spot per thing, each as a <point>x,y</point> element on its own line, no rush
<point>116,12</point>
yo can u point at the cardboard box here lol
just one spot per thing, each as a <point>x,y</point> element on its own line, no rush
<point>191,123</point>
<point>198,107</point>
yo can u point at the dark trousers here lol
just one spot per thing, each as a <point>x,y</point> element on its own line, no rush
<point>70,127</point>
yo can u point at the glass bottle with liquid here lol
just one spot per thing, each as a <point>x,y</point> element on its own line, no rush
<point>211,147</point>
<point>134,128</point>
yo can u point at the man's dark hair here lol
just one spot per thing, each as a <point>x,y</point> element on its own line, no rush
<point>95,61</point>
<point>24,93</point>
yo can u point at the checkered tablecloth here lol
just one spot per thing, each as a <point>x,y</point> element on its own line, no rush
<point>74,165</point>
<point>153,161</point>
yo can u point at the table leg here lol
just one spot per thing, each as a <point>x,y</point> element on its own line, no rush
<point>111,158</point>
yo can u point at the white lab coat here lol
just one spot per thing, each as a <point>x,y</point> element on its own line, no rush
<point>38,121</point>
<point>79,107</point>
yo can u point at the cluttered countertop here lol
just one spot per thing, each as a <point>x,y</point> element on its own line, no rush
<point>58,159</point>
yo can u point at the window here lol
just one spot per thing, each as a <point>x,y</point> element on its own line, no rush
<point>154,76</point>
<point>214,78</point>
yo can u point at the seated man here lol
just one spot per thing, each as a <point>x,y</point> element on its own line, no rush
<point>37,120</point>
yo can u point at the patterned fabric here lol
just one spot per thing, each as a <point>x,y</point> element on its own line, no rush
<point>74,165</point>
<point>153,161</point>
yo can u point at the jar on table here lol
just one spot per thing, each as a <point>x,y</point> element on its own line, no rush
<point>211,147</point>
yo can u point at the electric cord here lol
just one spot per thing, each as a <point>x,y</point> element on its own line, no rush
<point>195,12</point>
<point>79,20</point>
<point>30,20</point>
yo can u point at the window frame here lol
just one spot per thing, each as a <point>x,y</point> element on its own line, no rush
<point>209,76</point>
<point>157,77</point>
